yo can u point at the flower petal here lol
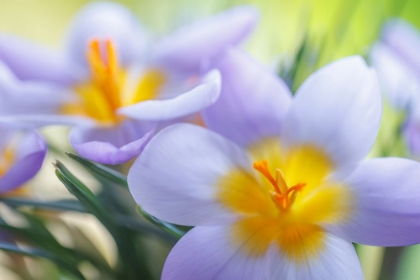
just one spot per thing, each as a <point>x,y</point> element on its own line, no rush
<point>337,109</point>
<point>403,39</point>
<point>209,253</point>
<point>337,260</point>
<point>176,175</point>
<point>398,79</point>
<point>188,48</point>
<point>185,104</point>
<point>106,20</point>
<point>29,97</point>
<point>30,152</point>
<point>30,61</point>
<point>387,207</point>
<point>111,145</point>
<point>252,103</point>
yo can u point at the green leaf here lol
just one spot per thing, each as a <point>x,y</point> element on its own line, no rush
<point>101,170</point>
<point>170,228</point>
<point>62,262</point>
<point>83,194</point>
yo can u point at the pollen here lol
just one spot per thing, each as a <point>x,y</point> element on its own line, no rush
<point>7,159</point>
<point>110,85</point>
<point>286,202</point>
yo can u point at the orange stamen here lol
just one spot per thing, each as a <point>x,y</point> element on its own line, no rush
<point>282,191</point>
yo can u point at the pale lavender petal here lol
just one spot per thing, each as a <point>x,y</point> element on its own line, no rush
<point>211,253</point>
<point>29,154</point>
<point>184,104</point>
<point>30,61</point>
<point>252,103</point>
<point>29,97</point>
<point>404,40</point>
<point>106,20</point>
<point>411,133</point>
<point>40,120</point>
<point>176,176</point>
<point>338,109</point>
<point>336,260</point>
<point>386,203</point>
<point>192,46</point>
<point>112,145</point>
<point>399,81</point>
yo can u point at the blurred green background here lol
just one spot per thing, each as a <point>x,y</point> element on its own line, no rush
<point>318,30</point>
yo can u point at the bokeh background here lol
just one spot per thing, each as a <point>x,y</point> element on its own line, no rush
<point>315,31</point>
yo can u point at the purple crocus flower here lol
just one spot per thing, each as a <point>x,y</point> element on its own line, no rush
<point>283,189</point>
<point>21,155</point>
<point>117,81</point>
<point>397,60</point>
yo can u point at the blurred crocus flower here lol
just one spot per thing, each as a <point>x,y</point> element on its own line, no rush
<point>397,60</point>
<point>118,82</point>
<point>21,155</point>
<point>282,190</point>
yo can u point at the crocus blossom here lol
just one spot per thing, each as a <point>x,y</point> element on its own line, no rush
<point>21,155</point>
<point>122,83</point>
<point>397,60</point>
<point>282,189</point>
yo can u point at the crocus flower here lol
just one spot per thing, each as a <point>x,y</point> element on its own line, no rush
<point>283,189</point>
<point>397,60</point>
<point>121,83</point>
<point>21,155</point>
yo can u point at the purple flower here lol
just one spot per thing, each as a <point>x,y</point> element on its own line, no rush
<point>397,60</point>
<point>283,189</point>
<point>114,83</point>
<point>21,156</point>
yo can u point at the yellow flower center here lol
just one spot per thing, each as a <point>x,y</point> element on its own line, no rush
<point>289,208</point>
<point>110,87</point>
<point>7,159</point>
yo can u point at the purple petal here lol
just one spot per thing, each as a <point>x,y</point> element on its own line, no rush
<point>106,20</point>
<point>191,46</point>
<point>29,97</point>
<point>30,153</point>
<point>399,81</point>
<point>210,253</point>
<point>111,145</point>
<point>404,40</point>
<point>387,207</point>
<point>30,61</point>
<point>176,176</point>
<point>337,109</point>
<point>185,104</point>
<point>336,260</point>
<point>252,103</point>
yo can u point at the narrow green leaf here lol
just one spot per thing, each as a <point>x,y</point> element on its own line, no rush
<point>34,252</point>
<point>170,228</point>
<point>101,170</point>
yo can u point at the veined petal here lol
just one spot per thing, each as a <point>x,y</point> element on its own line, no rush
<point>398,79</point>
<point>184,104</point>
<point>30,61</point>
<point>28,153</point>
<point>111,145</point>
<point>337,260</point>
<point>175,178</point>
<point>106,20</point>
<point>209,253</point>
<point>337,109</point>
<point>188,48</point>
<point>387,207</point>
<point>252,103</point>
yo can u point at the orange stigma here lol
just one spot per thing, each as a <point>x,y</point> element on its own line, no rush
<point>105,70</point>
<point>283,195</point>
